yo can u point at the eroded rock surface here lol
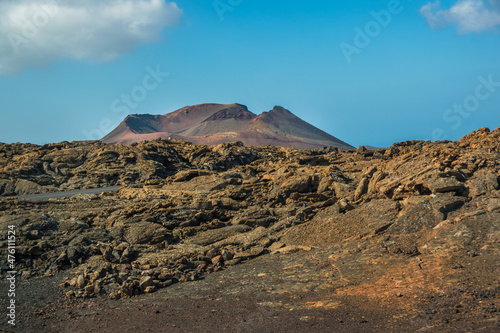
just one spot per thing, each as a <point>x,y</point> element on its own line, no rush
<point>416,217</point>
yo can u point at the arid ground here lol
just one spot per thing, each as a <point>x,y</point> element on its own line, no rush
<point>231,238</point>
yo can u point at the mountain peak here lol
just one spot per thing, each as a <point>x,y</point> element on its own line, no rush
<point>234,111</point>
<point>244,107</point>
<point>280,109</point>
<point>212,124</point>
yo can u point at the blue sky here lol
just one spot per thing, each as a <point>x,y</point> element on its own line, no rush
<point>424,70</point>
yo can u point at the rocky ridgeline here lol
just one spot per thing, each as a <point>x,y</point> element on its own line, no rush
<point>30,169</point>
<point>200,209</point>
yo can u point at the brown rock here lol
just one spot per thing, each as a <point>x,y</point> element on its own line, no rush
<point>252,253</point>
<point>417,214</point>
<point>493,205</point>
<point>189,174</point>
<point>362,188</point>
<point>292,249</point>
<point>324,184</point>
<point>89,289</point>
<point>374,182</point>
<point>150,289</point>
<point>217,260</point>
<point>80,282</point>
<point>24,187</point>
<point>146,233</point>
<point>297,185</point>
<point>212,236</point>
<point>145,282</point>
<point>483,182</point>
<point>442,185</point>
<point>7,187</point>
<point>277,245</point>
<point>254,217</point>
<point>361,149</point>
<point>345,205</point>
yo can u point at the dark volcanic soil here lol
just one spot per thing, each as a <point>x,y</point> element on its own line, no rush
<point>268,294</point>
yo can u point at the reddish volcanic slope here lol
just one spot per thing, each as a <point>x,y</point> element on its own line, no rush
<point>213,124</point>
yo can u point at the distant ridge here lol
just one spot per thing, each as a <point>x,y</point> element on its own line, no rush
<point>212,124</point>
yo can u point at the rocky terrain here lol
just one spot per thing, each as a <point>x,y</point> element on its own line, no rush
<point>213,124</point>
<point>398,239</point>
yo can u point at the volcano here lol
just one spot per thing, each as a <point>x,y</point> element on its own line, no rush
<point>212,124</point>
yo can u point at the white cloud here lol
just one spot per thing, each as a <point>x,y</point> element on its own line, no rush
<point>35,33</point>
<point>469,16</point>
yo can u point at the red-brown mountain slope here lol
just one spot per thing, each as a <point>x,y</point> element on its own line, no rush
<point>213,124</point>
